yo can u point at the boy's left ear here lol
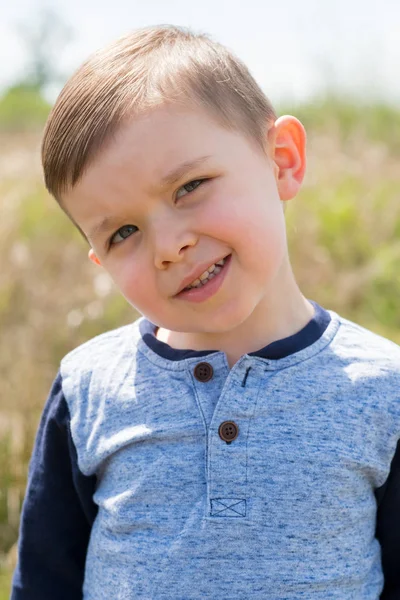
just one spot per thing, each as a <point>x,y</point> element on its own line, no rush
<point>287,147</point>
<point>93,257</point>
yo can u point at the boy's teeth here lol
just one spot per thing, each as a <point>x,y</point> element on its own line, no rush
<point>208,274</point>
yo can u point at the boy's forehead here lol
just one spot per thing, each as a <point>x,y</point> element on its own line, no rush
<point>157,148</point>
<point>157,142</point>
<point>146,153</point>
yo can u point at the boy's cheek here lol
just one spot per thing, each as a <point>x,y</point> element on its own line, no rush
<point>137,288</point>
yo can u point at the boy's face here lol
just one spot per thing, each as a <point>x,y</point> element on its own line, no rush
<point>180,193</point>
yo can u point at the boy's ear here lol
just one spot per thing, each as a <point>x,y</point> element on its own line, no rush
<point>287,145</point>
<point>93,257</point>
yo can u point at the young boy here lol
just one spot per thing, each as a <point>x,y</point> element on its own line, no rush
<point>238,441</point>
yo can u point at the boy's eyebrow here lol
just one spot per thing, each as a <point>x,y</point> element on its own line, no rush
<point>177,172</point>
<point>102,226</point>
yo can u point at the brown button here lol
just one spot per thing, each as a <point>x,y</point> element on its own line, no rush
<point>203,371</point>
<point>228,431</point>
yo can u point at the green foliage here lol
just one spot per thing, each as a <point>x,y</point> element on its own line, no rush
<point>357,233</point>
<point>348,118</point>
<point>5,584</point>
<point>6,482</point>
<point>22,108</point>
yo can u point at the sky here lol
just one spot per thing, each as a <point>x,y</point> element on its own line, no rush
<point>295,49</point>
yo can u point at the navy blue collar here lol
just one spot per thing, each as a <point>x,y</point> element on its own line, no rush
<point>278,349</point>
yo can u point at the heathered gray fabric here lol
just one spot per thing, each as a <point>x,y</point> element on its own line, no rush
<point>286,511</point>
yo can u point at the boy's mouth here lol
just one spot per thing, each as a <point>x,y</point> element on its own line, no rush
<point>208,286</point>
<point>199,280</point>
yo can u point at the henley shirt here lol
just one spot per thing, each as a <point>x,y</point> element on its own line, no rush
<point>164,474</point>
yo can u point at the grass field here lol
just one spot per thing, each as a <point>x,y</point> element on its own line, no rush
<point>5,582</point>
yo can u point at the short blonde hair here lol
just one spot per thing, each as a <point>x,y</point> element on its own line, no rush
<point>146,68</point>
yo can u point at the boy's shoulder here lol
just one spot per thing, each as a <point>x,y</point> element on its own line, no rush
<point>361,344</point>
<point>103,348</point>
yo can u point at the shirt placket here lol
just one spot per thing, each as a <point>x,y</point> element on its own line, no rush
<point>228,429</point>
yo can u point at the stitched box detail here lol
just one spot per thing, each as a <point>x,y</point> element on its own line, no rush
<point>228,507</point>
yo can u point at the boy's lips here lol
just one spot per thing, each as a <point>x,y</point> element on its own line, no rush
<point>195,274</point>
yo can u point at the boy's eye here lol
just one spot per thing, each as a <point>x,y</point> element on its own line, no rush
<point>126,230</point>
<point>189,187</point>
<point>123,232</point>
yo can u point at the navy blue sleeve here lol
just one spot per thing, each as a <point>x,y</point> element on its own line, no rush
<point>388,529</point>
<point>57,514</point>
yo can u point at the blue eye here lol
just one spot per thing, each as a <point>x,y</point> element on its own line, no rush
<point>124,232</point>
<point>189,187</point>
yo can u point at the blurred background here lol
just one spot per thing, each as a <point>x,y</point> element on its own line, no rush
<point>335,67</point>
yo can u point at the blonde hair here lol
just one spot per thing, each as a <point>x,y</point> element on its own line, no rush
<point>148,67</point>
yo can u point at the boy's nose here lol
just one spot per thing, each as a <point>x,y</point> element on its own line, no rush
<point>171,246</point>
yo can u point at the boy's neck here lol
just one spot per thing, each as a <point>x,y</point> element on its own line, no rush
<point>279,316</point>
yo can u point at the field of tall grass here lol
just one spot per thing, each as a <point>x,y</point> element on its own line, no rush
<point>344,238</point>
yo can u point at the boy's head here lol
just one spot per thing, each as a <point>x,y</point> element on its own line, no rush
<point>164,145</point>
